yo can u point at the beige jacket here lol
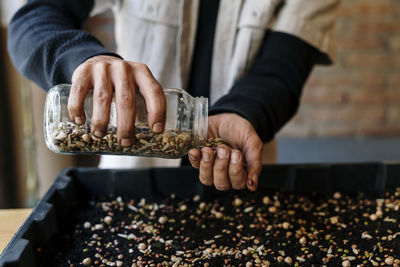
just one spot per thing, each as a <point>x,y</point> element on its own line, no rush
<point>161,34</point>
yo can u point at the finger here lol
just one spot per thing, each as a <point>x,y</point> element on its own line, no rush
<point>125,102</point>
<point>81,83</point>
<point>237,172</point>
<point>154,96</point>
<point>102,97</point>
<point>252,154</point>
<point>206,166</point>
<point>221,167</point>
<point>194,157</point>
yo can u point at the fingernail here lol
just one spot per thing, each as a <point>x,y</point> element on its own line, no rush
<point>250,182</point>
<point>126,142</point>
<point>235,157</point>
<point>206,156</point>
<point>157,127</point>
<point>222,153</point>
<point>79,120</point>
<point>98,134</point>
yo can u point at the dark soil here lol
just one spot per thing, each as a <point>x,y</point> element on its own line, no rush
<point>240,229</point>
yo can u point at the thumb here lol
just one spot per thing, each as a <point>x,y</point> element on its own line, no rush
<point>253,153</point>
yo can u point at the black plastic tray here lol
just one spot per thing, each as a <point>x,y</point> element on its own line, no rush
<point>76,184</point>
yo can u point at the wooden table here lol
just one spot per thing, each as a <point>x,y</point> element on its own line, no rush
<point>10,221</point>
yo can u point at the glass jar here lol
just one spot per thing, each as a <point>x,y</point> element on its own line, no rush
<point>185,128</point>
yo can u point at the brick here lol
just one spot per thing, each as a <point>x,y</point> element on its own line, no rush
<point>320,95</point>
<point>332,130</point>
<point>394,81</point>
<point>394,43</point>
<point>393,114</point>
<point>382,131</point>
<point>369,96</point>
<point>395,62</point>
<point>363,43</point>
<point>291,130</point>
<point>346,114</point>
<point>328,80</point>
<point>366,9</point>
<point>378,27</point>
<point>366,79</point>
<point>368,61</point>
<point>392,96</point>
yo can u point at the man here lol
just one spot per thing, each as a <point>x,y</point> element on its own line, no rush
<point>251,57</point>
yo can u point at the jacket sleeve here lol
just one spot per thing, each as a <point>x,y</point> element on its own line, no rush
<point>268,95</point>
<point>312,21</point>
<point>46,43</point>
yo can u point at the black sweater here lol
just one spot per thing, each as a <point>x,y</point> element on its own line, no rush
<point>46,44</point>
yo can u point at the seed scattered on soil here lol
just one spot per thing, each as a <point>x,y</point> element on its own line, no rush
<point>302,230</point>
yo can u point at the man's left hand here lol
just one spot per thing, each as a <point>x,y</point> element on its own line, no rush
<point>234,167</point>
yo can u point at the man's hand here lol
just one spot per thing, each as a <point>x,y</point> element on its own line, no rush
<point>105,74</point>
<point>230,168</point>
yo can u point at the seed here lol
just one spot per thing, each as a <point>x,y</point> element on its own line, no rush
<point>334,219</point>
<point>142,246</point>
<point>99,226</point>
<point>346,263</point>
<point>272,209</point>
<point>249,264</point>
<point>266,200</point>
<point>86,137</point>
<point>87,261</point>
<point>337,195</point>
<point>373,217</point>
<point>196,198</point>
<point>107,219</point>
<point>288,260</point>
<point>86,225</point>
<point>248,209</point>
<point>237,202</point>
<point>302,240</point>
<point>175,258</point>
<point>218,215</point>
<point>389,260</point>
<point>183,207</point>
<point>163,219</point>
<point>61,136</point>
<point>285,225</point>
<point>120,256</point>
<point>119,263</point>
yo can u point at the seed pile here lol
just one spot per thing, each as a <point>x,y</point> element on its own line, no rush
<point>69,137</point>
<point>239,229</point>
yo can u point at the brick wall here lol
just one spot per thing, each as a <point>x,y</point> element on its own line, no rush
<point>360,94</point>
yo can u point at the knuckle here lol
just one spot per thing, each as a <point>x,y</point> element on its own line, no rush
<point>121,65</point>
<point>103,98</point>
<point>100,65</point>
<point>235,171</point>
<point>141,67</point>
<point>125,100</point>
<point>220,167</point>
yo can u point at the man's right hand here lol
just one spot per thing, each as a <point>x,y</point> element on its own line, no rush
<point>105,75</point>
